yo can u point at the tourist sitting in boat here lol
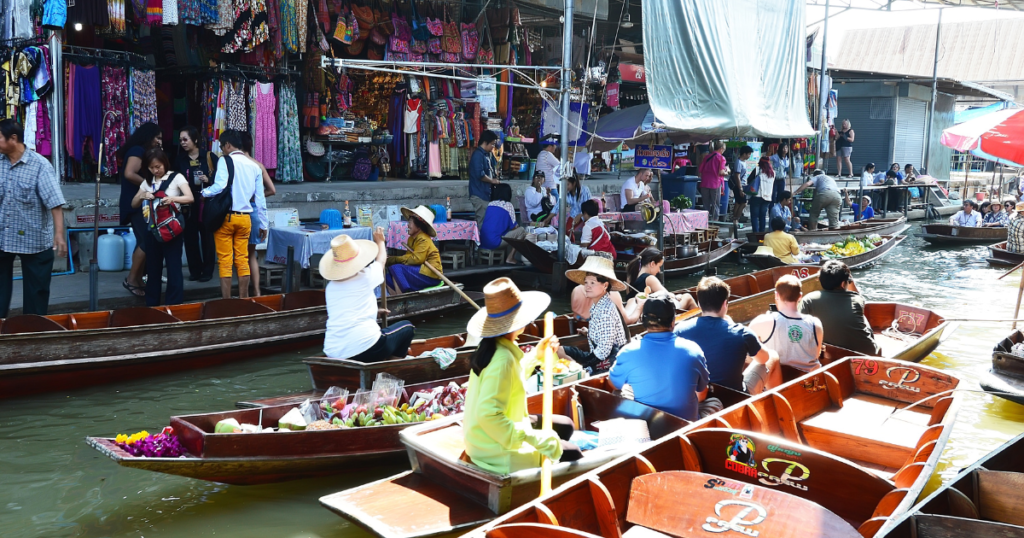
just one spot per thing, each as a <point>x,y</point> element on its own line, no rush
<point>735,357</point>
<point>664,371</point>
<point>859,214</point>
<point>576,193</point>
<point>966,217</point>
<point>354,268</point>
<point>1009,206</point>
<point>996,217</point>
<point>784,209</point>
<point>1015,231</point>
<point>983,210</point>
<point>582,304</point>
<point>540,202</point>
<point>595,238</point>
<point>500,222</point>
<point>841,310</point>
<point>782,244</point>
<point>606,333</point>
<point>498,433</point>
<point>409,271</point>
<point>642,273</point>
<point>796,337</point>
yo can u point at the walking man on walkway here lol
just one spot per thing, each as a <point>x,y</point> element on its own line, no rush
<point>32,221</point>
<point>232,238</point>
<point>482,175</point>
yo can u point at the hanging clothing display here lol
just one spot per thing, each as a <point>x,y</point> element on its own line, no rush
<point>17,22</point>
<point>289,150</point>
<point>142,89</point>
<point>265,125</point>
<point>115,125</point>
<point>84,133</point>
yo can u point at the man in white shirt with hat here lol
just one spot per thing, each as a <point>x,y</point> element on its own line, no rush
<point>355,268</point>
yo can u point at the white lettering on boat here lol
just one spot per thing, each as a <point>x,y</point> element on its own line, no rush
<point>739,522</point>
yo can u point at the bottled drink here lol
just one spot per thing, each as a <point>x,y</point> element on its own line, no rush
<point>347,218</point>
<point>448,208</point>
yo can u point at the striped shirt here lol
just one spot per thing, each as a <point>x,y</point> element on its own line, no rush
<point>28,191</point>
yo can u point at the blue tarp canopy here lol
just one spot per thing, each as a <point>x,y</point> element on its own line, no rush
<point>971,113</point>
<point>636,125</point>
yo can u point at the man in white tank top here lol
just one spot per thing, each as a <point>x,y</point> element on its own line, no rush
<point>794,336</point>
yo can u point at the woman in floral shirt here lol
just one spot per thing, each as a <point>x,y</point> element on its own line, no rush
<point>996,217</point>
<point>606,333</point>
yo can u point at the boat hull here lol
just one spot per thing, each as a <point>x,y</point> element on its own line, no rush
<point>692,264</point>
<point>945,234</point>
<point>862,228</point>
<point>1000,256</point>
<point>860,261</point>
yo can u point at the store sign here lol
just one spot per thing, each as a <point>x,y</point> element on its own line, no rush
<point>612,94</point>
<point>657,157</point>
<point>632,73</point>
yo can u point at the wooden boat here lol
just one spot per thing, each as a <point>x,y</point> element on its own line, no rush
<point>840,452</point>
<point>860,228</point>
<point>946,234</point>
<point>906,333</point>
<point>982,500</point>
<point>1006,377</point>
<point>539,258</point>
<point>68,351</point>
<point>719,248</point>
<point>999,255</point>
<point>859,261</point>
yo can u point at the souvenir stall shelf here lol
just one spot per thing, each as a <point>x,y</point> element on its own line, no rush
<point>108,94</point>
<point>27,87</point>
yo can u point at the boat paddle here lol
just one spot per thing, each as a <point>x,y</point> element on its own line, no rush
<point>545,421</point>
<point>452,285</point>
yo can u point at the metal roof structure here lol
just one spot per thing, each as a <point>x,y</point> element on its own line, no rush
<point>945,85</point>
<point>987,51</point>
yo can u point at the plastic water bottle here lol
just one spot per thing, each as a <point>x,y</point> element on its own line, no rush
<point>129,248</point>
<point>110,252</point>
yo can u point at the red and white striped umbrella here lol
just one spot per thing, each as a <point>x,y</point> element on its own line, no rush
<point>998,136</point>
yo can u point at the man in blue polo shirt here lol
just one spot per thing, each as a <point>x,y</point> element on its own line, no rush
<point>665,372</point>
<point>482,174</point>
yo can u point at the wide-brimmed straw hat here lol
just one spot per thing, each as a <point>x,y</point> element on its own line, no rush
<point>347,257</point>
<point>424,216</point>
<point>1019,206</point>
<point>598,266</point>
<point>764,251</point>
<point>506,309</point>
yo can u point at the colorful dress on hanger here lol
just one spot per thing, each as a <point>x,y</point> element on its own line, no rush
<point>289,149</point>
<point>265,137</point>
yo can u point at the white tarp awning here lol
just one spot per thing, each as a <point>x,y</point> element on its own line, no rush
<point>727,68</point>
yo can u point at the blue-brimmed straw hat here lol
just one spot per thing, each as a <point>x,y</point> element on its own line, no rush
<point>506,309</point>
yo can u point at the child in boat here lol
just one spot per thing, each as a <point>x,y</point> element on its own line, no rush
<point>354,268</point>
<point>595,238</point>
<point>499,435</point>
<point>408,272</point>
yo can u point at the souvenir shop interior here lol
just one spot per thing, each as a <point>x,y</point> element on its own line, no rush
<point>328,89</point>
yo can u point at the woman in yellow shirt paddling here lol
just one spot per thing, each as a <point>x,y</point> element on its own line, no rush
<point>407,272</point>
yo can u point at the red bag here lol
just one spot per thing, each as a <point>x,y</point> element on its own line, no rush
<point>165,222</point>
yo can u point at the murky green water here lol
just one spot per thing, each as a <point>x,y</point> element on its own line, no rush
<point>52,484</point>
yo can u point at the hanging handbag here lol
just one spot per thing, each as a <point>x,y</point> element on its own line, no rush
<point>419,28</point>
<point>498,20</point>
<point>311,111</point>
<point>452,41</point>
<point>434,45</point>
<point>363,167</point>
<point>378,36</point>
<point>165,222</point>
<point>470,41</point>
<point>342,33</point>
<point>364,16</point>
<point>418,47</point>
<point>216,207</point>
<point>376,52</point>
<point>435,27</point>
<point>395,44</point>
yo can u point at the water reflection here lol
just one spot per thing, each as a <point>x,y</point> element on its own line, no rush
<point>53,484</point>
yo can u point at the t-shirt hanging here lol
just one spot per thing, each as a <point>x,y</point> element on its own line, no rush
<point>413,111</point>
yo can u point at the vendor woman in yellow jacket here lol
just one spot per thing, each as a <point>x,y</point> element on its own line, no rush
<point>783,245</point>
<point>407,272</point>
<point>500,436</point>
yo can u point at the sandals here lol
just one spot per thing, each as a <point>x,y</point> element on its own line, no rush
<point>137,291</point>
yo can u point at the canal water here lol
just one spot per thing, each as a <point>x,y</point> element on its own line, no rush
<point>52,484</point>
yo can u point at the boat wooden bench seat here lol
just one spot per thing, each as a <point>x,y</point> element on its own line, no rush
<point>29,323</point>
<point>231,308</point>
<point>303,299</point>
<point>140,315</point>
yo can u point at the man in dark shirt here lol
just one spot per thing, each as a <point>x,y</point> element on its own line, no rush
<point>727,345</point>
<point>840,310</point>
<point>482,175</point>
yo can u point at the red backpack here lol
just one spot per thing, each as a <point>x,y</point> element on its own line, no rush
<point>165,222</point>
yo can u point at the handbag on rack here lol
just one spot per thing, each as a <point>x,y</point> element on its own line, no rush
<point>311,111</point>
<point>470,41</point>
<point>434,45</point>
<point>342,33</point>
<point>435,27</point>
<point>419,28</point>
<point>313,147</point>
<point>452,41</point>
<point>364,16</point>
<point>418,47</point>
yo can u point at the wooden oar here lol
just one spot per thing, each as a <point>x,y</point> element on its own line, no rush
<point>1010,271</point>
<point>451,285</point>
<point>546,409</point>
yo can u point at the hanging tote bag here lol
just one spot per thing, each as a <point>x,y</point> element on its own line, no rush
<point>216,207</point>
<point>470,41</point>
<point>165,222</point>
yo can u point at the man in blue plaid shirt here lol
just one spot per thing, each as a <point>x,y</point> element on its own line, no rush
<point>31,220</point>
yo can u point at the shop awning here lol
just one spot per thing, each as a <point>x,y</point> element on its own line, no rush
<point>727,69</point>
<point>636,125</point>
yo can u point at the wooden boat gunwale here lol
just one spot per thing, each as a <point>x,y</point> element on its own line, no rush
<point>1001,256</point>
<point>920,347</point>
<point>887,226</point>
<point>857,261</point>
<point>932,233</point>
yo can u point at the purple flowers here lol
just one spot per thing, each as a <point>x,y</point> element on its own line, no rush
<point>155,446</point>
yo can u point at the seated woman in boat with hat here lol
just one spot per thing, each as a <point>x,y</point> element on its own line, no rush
<point>354,268</point>
<point>606,332</point>
<point>499,434</point>
<point>408,272</point>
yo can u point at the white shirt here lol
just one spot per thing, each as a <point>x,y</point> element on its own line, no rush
<point>533,198</point>
<point>963,219</point>
<point>632,185</point>
<point>247,185</point>
<point>588,229</point>
<point>177,186</point>
<point>548,163</point>
<point>352,313</point>
<point>866,178</point>
<point>582,162</point>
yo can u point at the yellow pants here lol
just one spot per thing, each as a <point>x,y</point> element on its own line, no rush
<point>232,239</point>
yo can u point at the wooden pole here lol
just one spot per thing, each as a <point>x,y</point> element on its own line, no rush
<point>545,423</point>
<point>1010,271</point>
<point>94,267</point>
<point>451,285</point>
<point>1020,291</point>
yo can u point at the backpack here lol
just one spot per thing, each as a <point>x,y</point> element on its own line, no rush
<point>216,208</point>
<point>165,222</point>
<point>753,183</point>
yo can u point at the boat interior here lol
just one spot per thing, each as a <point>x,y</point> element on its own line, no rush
<point>897,325</point>
<point>144,315</point>
<point>850,439</point>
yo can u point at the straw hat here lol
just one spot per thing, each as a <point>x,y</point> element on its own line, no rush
<point>598,266</point>
<point>347,257</point>
<point>1019,206</point>
<point>506,309</point>
<point>764,251</point>
<point>425,218</point>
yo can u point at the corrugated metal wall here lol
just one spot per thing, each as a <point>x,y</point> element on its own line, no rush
<point>872,120</point>
<point>911,118</point>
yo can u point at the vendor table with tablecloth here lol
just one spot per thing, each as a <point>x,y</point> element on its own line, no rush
<point>454,230</point>
<point>686,220</point>
<point>307,242</point>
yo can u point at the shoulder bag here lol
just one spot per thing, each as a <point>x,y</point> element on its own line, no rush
<point>216,207</point>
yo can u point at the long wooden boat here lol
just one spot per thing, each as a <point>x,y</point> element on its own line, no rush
<point>999,255</point>
<point>860,228</point>
<point>982,500</point>
<point>905,332</point>
<point>1006,377</point>
<point>859,261</point>
<point>710,253</point>
<point>837,452</point>
<point>946,234</point>
<point>68,351</point>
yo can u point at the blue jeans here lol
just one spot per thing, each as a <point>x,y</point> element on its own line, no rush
<point>777,188</point>
<point>758,213</point>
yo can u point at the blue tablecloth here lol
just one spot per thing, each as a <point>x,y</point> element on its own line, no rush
<point>307,243</point>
